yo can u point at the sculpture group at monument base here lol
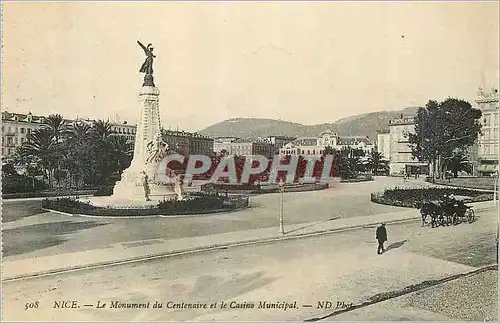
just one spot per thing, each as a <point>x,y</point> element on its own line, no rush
<point>132,185</point>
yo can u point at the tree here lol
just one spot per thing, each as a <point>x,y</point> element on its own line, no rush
<point>349,163</point>
<point>80,161</point>
<point>103,150</point>
<point>121,152</point>
<point>56,124</point>
<point>41,147</point>
<point>457,162</point>
<point>375,159</point>
<point>441,128</point>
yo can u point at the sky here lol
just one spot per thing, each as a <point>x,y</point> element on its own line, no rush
<point>306,62</point>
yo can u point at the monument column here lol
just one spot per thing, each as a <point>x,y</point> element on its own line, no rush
<point>149,148</point>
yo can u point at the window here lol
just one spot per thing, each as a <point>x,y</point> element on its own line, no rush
<point>487,120</point>
<point>22,141</point>
<point>9,140</point>
<point>29,130</point>
<point>22,130</point>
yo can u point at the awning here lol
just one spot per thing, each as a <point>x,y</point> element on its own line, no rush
<point>486,168</point>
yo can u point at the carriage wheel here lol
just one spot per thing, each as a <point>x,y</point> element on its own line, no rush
<point>470,215</point>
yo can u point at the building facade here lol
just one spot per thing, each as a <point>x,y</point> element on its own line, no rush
<point>488,141</point>
<point>315,146</point>
<point>279,142</point>
<point>15,129</point>
<point>401,160</point>
<point>384,144</point>
<point>223,145</point>
<point>187,143</point>
<point>124,130</point>
<point>244,147</point>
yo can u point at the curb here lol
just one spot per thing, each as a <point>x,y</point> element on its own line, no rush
<point>200,249</point>
<point>381,297</point>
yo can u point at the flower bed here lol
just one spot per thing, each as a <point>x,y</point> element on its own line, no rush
<point>197,203</point>
<point>414,197</point>
<point>358,178</point>
<point>262,189</point>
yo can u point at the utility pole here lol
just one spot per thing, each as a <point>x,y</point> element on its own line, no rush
<point>281,185</point>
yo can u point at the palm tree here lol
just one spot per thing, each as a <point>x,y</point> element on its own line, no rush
<point>80,144</point>
<point>457,162</point>
<point>103,129</point>
<point>349,162</point>
<point>121,150</point>
<point>80,132</point>
<point>375,159</point>
<point>41,147</point>
<point>57,126</point>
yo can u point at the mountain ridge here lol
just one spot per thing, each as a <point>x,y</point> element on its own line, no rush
<point>367,124</point>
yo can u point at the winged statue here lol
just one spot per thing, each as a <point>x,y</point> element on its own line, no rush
<point>147,66</point>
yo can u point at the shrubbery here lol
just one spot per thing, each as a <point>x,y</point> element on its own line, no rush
<point>15,183</point>
<point>415,196</point>
<point>197,203</point>
<point>104,191</point>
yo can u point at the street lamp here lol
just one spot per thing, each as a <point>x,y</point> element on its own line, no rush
<point>281,185</point>
<point>495,188</point>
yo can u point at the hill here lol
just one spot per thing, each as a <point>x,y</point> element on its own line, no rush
<point>360,125</point>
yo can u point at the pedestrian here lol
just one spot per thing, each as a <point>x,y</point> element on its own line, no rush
<point>381,237</point>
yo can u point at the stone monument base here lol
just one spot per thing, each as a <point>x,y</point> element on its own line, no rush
<point>131,188</point>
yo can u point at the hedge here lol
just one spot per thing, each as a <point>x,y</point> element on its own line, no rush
<point>194,204</point>
<point>415,196</point>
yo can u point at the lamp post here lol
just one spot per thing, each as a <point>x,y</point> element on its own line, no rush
<point>281,185</point>
<point>495,188</point>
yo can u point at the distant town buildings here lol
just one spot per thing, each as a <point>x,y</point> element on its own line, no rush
<point>243,147</point>
<point>17,126</point>
<point>316,145</point>
<point>186,143</point>
<point>222,145</point>
<point>489,140</point>
<point>15,129</point>
<point>401,160</point>
<point>279,142</point>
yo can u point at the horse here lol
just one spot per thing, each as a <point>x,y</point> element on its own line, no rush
<point>432,210</point>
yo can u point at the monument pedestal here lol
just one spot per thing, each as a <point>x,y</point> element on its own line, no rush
<point>148,132</point>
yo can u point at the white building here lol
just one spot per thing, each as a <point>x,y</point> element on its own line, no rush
<point>224,144</point>
<point>401,160</point>
<point>384,144</point>
<point>317,145</point>
<point>488,141</point>
<point>15,129</point>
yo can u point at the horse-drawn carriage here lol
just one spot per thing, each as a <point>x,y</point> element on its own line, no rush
<point>447,211</point>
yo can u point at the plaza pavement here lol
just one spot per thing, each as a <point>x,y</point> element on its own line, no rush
<point>338,267</point>
<point>134,251</point>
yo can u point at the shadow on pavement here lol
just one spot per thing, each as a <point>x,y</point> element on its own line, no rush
<point>395,245</point>
<point>34,237</point>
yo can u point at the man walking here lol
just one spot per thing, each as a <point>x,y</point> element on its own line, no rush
<point>381,236</point>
